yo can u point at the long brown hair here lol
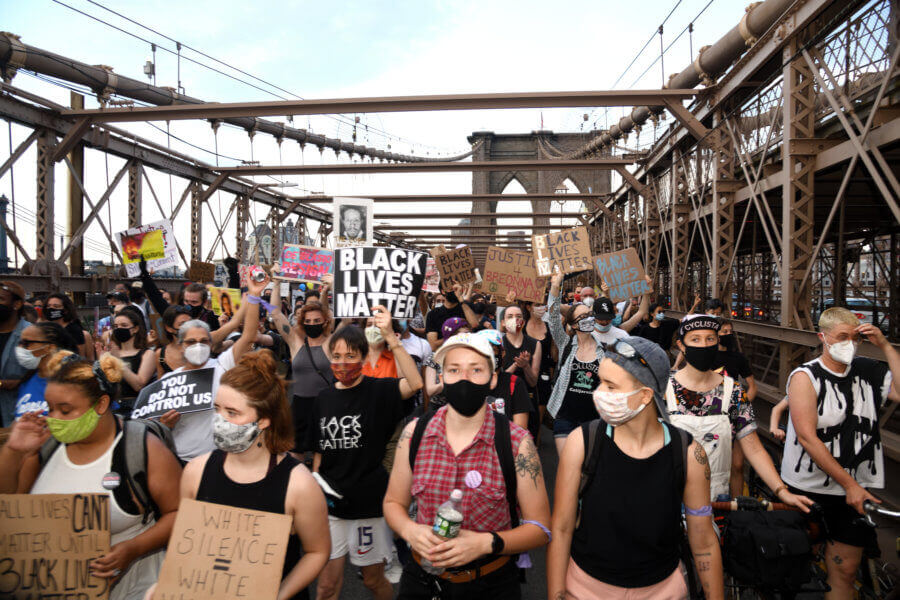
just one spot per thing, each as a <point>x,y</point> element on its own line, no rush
<point>255,377</point>
<point>311,307</point>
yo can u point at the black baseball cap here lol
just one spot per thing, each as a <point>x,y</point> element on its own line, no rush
<point>604,308</point>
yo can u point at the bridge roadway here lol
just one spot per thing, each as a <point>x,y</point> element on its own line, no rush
<point>536,586</point>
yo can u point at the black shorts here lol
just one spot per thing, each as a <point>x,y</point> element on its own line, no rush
<point>843,523</point>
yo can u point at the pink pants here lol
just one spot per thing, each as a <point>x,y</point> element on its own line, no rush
<point>581,586</point>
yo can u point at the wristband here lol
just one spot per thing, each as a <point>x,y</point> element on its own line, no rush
<point>703,511</point>
<point>258,300</point>
<point>541,525</point>
<point>783,486</point>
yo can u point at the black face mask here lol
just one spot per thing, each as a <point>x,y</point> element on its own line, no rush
<point>466,397</point>
<point>728,341</point>
<point>450,297</point>
<point>121,334</point>
<point>6,312</point>
<point>701,359</point>
<point>478,308</point>
<point>54,314</point>
<point>314,331</point>
<point>195,310</point>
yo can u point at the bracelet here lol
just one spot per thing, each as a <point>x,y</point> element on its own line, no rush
<point>703,511</point>
<point>783,486</point>
<point>258,300</point>
<point>542,527</point>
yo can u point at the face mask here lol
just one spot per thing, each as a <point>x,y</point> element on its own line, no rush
<point>197,354</point>
<point>346,373</point>
<point>539,311</point>
<point>843,352</point>
<point>6,312</point>
<point>229,437</point>
<point>604,328</point>
<point>617,320</point>
<point>513,324</point>
<point>586,325</point>
<point>659,316</point>
<point>451,298</point>
<point>374,336</point>
<point>589,301</point>
<point>466,397</point>
<point>727,341</point>
<point>403,324</point>
<point>702,358</point>
<point>613,406</point>
<point>69,431</point>
<point>438,304</point>
<point>195,310</point>
<point>54,314</point>
<point>314,331</point>
<point>121,334</point>
<point>27,359</point>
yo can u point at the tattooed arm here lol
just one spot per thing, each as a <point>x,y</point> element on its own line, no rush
<point>703,541</point>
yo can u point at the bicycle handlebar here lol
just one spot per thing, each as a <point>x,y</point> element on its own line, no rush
<point>870,508</point>
<point>745,503</point>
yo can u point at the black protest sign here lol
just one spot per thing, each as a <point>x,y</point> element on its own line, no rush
<point>47,542</point>
<point>223,552</point>
<point>186,392</point>
<point>623,272</point>
<point>365,277</point>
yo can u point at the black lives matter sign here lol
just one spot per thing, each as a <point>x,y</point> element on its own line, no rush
<point>365,277</point>
<point>185,392</point>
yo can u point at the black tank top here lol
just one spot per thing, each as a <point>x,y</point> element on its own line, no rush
<point>134,363</point>
<point>630,530</point>
<point>510,352</point>
<point>267,494</point>
<point>162,360</point>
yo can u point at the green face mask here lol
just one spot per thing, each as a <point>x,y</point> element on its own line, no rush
<point>69,431</point>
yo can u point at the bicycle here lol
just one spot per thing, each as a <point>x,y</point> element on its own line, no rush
<point>878,580</point>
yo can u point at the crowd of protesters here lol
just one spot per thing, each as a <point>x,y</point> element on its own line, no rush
<point>360,429</point>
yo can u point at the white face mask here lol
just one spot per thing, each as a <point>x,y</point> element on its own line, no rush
<point>613,406</point>
<point>589,301</point>
<point>438,304</point>
<point>513,324</point>
<point>843,352</point>
<point>374,335</point>
<point>197,354</point>
<point>539,311</point>
<point>27,359</point>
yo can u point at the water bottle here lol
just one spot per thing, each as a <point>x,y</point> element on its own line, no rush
<point>447,522</point>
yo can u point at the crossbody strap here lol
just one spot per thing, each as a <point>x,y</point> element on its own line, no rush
<point>313,362</point>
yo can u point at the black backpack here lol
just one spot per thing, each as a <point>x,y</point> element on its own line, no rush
<point>129,460</point>
<point>767,549</point>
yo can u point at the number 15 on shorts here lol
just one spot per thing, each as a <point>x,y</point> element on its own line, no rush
<point>363,539</point>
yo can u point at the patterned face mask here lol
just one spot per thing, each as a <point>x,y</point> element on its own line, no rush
<point>229,437</point>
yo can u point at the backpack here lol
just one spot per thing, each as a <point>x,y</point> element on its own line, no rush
<point>129,459</point>
<point>769,550</point>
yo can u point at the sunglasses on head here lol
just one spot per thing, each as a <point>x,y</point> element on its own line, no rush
<point>626,350</point>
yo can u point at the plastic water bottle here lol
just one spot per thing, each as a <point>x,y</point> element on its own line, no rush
<point>447,522</point>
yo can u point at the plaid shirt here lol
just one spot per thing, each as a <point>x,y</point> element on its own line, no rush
<point>438,472</point>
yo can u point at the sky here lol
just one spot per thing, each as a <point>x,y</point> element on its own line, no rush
<point>343,49</point>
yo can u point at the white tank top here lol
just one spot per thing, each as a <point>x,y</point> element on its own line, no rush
<point>62,476</point>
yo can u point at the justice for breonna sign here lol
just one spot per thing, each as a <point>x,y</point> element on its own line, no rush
<point>365,277</point>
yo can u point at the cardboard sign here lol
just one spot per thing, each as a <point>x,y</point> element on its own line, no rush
<point>154,241</point>
<point>455,266</point>
<point>223,552</point>
<point>203,272</point>
<point>353,222</point>
<point>623,272</point>
<point>568,250</point>
<point>47,542</point>
<point>186,392</point>
<point>305,263</point>
<point>432,277</point>
<point>366,277</point>
<point>512,271</point>
<point>224,300</point>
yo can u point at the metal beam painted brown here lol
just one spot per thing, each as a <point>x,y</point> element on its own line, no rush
<point>319,199</point>
<point>465,215</point>
<point>222,110</point>
<point>404,228</point>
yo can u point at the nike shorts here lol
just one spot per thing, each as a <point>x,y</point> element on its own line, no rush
<point>367,541</point>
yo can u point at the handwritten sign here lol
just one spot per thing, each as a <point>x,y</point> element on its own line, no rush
<point>623,272</point>
<point>154,241</point>
<point>512,271</point>
<point>567,249</point>
<point>223,552</point>
<point>366,277</point>
<point>185,392</point>
<point>455,266</point>
<point>47,542</point>
<point>203,272</point>
<point>432,278</point>
<point>305,263</point>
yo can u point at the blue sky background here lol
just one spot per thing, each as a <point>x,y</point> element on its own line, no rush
<point>356,48</point>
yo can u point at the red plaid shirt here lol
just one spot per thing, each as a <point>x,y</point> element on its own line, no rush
<point>438,472</point>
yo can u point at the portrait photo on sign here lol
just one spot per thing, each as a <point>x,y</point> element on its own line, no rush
<point>353,221</point>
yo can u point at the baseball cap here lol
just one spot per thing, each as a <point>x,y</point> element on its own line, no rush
<point>117,296</point>
<point>697,321</point>
<point>647,362</point>
<point>452,325</point>
<point>473,341</point>
<point>604,309</point>
<point>13,288</point>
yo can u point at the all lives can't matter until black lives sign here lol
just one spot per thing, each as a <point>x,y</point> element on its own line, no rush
<point>185,392</point>
<point>365,277</point>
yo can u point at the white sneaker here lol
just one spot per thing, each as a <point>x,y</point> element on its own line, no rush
<point>393,570</point>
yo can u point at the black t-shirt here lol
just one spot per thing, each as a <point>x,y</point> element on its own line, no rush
<point>74,329</point>
<point>736,364</point>
<point>437,316</point>
<point>350,428</point>
<point>661,336</point>
<point>509,398</point>
<point>578,403</point>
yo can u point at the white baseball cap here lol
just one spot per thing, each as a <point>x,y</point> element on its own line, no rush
<point>476,342</point>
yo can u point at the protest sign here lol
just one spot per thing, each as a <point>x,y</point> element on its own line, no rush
<point>185,392</point>
<point>366,277</point>
<point>47,542</point>
<point>455,266</point>
<point>203,272</point>
<point>154,241</point>
<point>224,300</point>
<point>244,272</point>
<point>353,222</point>
<point>567,249</point>
<point>305,263</point>
<point>623,272</point>
<point>432,277</point>
<point>512,271</point>
<point>223,552</point>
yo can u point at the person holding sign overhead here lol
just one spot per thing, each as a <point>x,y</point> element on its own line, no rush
<point>356,418</point>
<point>85,455</point>
<point>251,467</point>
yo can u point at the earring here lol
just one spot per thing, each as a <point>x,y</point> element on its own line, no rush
<point>259,444</point>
